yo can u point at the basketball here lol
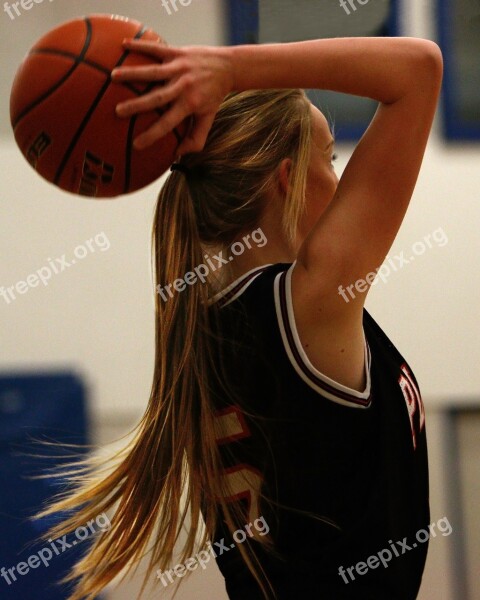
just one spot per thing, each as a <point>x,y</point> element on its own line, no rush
<point>62,110</point>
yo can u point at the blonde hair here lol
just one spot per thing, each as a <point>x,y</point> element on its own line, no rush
<point>174,451</point>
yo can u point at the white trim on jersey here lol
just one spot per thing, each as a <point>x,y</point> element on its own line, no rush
<point>326,387</point>
<point>248,277</point>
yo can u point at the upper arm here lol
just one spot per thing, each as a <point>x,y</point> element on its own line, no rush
<point>356,231</point>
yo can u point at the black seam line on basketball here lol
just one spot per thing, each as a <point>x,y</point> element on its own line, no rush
<point>90,112</point>
<point>44,96</point>
<point>88,63</point>
<point>72,55</point>
<point>128,154</point>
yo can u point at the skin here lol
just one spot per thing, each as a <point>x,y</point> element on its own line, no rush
<point>322,183</point>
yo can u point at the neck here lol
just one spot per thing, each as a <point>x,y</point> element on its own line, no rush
<point>271,251</point>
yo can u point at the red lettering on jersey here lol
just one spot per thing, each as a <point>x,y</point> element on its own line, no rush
<point>230,425</point>
<point>413,400</point>
<point>243,481</point>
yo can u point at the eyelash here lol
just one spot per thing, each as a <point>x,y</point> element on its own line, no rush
<point>334,156</point>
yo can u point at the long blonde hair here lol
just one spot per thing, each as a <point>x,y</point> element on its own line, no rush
<point>174,452</point>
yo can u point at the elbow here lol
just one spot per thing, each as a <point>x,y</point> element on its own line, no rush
<point>430,61</point>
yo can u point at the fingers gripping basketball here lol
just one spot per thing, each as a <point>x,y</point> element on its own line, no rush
<point>62,109</point>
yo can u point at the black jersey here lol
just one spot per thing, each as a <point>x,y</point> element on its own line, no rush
<point>357,460</point>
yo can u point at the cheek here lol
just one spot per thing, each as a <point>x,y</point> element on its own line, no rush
<point>334,181</point>
<point>322,182</point>
<point>321,188</point>
<point>330,181</point>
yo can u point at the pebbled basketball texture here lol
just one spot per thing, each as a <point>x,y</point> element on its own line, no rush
<point>62,110</point>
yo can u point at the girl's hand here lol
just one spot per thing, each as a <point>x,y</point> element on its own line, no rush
<point>197,79</point>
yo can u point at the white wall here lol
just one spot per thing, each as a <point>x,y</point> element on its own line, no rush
<point>97,316</point>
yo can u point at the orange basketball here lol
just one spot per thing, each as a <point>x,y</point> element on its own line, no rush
<point>62,110</point>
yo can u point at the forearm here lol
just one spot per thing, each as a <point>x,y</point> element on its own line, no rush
<point>384,69</point>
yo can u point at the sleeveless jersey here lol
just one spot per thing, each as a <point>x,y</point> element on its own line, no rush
<point>344,472</point>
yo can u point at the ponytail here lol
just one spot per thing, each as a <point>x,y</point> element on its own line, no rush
<point>171,469</point>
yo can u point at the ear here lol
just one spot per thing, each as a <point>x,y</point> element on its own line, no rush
<point>284,171</point>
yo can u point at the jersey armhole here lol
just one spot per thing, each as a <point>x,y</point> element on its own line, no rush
<point>323,385</point>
